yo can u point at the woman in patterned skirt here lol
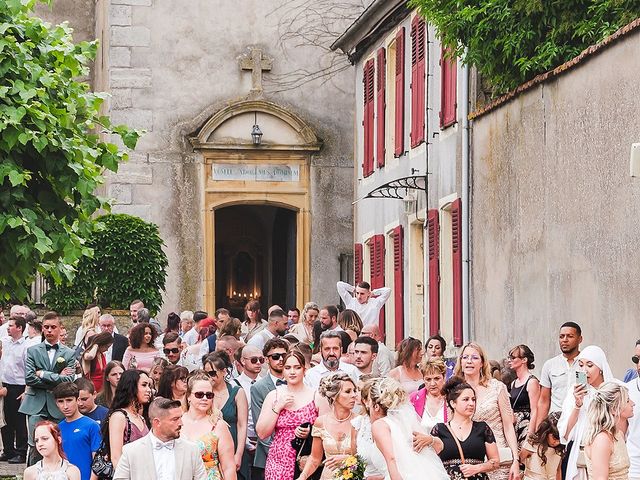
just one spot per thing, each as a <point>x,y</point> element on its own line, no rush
<point>492,406</point>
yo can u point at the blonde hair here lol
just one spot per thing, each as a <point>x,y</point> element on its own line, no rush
<point>387,393</point>
<point>309,306</point>
<point>331,385</point>
<point>604,410</point>
<point>90,318</point>
<point>350,320</point>
<point>430,366</point>
<point>485,369</point>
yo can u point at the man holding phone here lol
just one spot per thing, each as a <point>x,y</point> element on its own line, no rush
<point>559,372</point>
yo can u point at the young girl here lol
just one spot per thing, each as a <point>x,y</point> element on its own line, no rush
<point>542,452</point>
<point>54,464</point>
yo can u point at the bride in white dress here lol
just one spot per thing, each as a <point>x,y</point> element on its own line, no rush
<point>393,421</point>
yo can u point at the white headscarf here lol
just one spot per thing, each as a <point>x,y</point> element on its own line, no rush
<point>594,354</point>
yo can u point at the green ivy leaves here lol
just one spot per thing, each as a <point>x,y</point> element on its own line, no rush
<point>51,157</point>
<point>511,41</point>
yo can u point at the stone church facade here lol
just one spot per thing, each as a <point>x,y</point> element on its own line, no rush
<point>271,221</point>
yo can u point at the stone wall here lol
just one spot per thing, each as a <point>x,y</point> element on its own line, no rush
<point>168,67</point>
<point>555,213</point>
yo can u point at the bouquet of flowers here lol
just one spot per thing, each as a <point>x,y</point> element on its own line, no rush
<point>352,468</point>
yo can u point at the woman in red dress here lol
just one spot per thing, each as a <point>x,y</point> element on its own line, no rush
<point>94,360</point>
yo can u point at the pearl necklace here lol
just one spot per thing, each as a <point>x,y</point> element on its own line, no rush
<point>339,420</point>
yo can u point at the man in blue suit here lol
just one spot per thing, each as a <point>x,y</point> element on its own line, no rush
<point>48,364</point>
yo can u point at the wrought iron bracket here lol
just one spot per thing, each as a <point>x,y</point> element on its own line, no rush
<point>399,188</point>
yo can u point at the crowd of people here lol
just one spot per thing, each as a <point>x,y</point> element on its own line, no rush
<point>299,395</point>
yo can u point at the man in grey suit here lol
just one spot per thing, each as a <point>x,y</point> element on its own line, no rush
<point>48,364</point>
<point>161,454</point>
<point>274,351</point>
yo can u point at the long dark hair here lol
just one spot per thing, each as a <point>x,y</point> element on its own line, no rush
<point>125,396</point>
<point>170,375</point>
<point>102,339</point>
<point>106,395</point>
<point>406,349</point>
<point>540,439</point>
<point>173,323</point>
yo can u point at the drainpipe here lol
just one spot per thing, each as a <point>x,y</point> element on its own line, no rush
<point>466,310</point>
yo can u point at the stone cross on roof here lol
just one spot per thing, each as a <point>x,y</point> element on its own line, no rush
<point>257,62</point>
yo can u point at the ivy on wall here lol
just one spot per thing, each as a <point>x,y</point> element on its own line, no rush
<point>511,41</point>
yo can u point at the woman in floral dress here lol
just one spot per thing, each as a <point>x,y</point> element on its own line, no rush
<point>202,425</point>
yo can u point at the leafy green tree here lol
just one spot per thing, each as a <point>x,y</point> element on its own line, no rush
<point>127,263</point>
<point>511,41</point>
<point>52,155</point>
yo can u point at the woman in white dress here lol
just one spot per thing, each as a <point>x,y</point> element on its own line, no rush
<point>393,421</point>
<point>376,468</point>
<point>573,421</point>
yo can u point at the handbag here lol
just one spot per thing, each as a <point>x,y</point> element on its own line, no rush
<point>582,459</point>
<point>101,464</point>
<point>506,456</point>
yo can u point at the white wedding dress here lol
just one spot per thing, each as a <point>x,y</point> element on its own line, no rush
<point>412,465</point>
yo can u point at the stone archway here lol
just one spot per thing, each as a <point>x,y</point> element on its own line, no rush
<point>275,173</point>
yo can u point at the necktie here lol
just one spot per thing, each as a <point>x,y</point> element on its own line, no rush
<point>49,347</point>
<point>280,382</point>
<point>167,445</point>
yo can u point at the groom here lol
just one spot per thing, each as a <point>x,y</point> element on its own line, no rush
<point>48,364</point>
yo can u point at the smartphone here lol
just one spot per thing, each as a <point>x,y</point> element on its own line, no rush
<point>581,378</point>
<point>305,425</point>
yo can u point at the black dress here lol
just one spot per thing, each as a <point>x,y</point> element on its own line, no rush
<point>521,405</point>
<point>473,447</point>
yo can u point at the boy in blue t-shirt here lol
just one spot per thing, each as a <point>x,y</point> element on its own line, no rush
<point>87,401</point>
<point>80,435</point>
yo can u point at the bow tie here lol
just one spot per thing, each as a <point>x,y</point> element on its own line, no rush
<point>167,445</point>
<point>280,382</point>
<point>49,347</point>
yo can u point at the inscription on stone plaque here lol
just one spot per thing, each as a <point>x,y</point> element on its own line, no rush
<point>255,173</point>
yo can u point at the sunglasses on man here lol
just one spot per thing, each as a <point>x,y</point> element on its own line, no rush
<point>167,351</point>
<point>635,359</point>
<point>276,356</point>
<point>255,360</point>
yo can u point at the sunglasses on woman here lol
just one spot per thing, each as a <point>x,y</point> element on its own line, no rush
<point>201,395</point>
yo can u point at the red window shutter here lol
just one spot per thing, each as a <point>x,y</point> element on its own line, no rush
<point>456,227</point>
<point>448,89</point>
<point>376,257</point>
<point>433,230</point>
<point>368,80</point>
<point>418,71</point>
<point>398,282</point>
<point>381,101</point>
<point>399,107</point>
<point>357,263</point>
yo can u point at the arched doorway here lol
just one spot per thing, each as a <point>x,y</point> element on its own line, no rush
<point>249,190</point>
<point>255,256</point>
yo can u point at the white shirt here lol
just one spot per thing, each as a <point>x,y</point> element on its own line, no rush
<point>384,361</point>
<point>261,338</point>
<point>369,312</point>
<point>245,382</point>
<point>314,375</point>
<point>4,330</point>
<point>30,342</point>
<point>558,374</point>
<point>164,459</point>
<point>14,354</point>
<point>191,337</point>
<point>633,433</point>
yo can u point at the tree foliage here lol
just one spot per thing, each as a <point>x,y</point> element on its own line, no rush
<point>52,156</point>
<point>511,41</point>
<point>128,263</point>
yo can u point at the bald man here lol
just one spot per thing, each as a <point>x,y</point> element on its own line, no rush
<point>252,361</point>
<point>386,359</point>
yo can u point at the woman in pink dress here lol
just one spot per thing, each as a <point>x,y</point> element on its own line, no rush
<point>140,353</point>
<point>284,411</point>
